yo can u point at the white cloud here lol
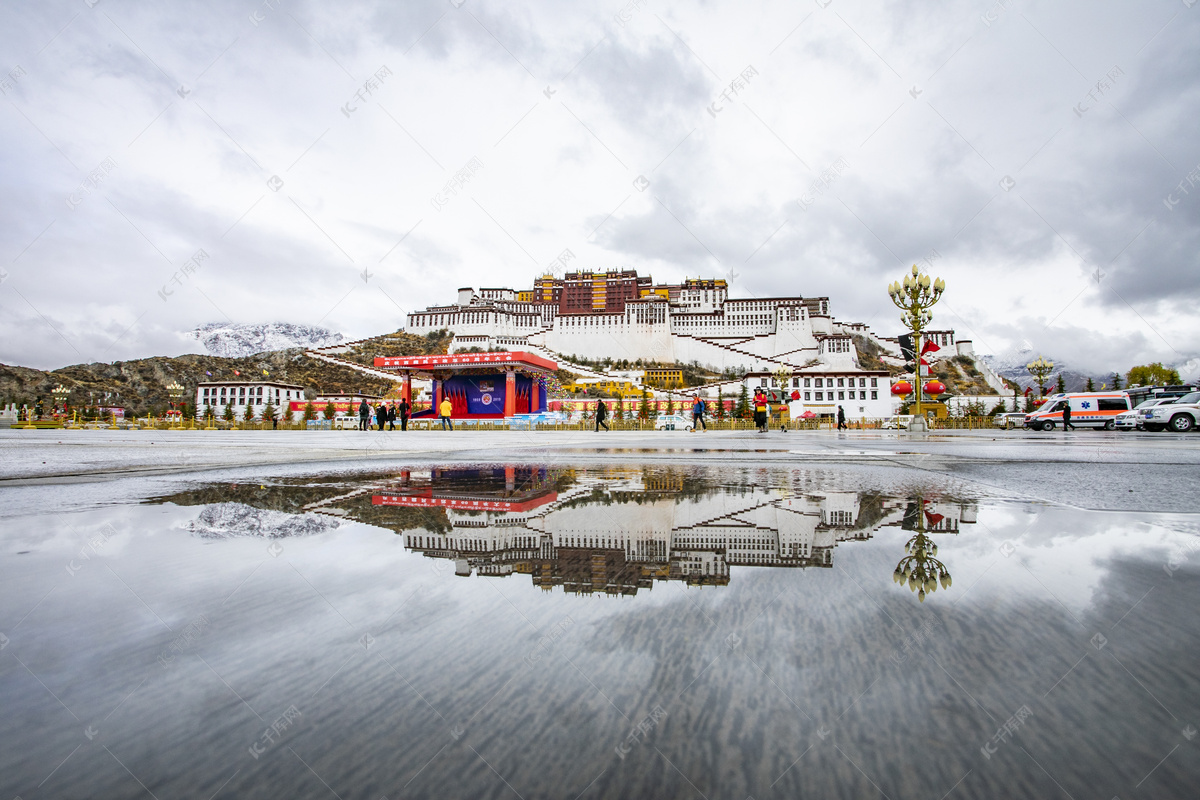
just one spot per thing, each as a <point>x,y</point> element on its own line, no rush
<point>931,106</point>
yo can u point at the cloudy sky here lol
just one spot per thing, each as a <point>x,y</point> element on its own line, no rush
<point>165,166</point>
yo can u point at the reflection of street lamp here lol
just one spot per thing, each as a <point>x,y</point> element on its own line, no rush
<point>915,296</point>
<point>60,393</point>
<point>920,569</point>
<point>1040,370</point>
<point>175,392</point>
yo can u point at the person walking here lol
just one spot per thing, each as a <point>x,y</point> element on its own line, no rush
<point>380,415</point>
<point>841,419</point>
<point>698,409</point>
<point>391,416</point>
<point>403,412</point>
<point>445,409</point>
<point>364,415</point>
<point>601,415</point>
<point>1067,426</point>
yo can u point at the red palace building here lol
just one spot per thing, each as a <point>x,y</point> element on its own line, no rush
<point>479,385</point>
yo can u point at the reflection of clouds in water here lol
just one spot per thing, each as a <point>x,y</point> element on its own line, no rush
<point>1035,550</point>
<point>225,520</point>
<point>851,649</point>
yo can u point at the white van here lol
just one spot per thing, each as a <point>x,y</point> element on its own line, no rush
<point>1088,410</point>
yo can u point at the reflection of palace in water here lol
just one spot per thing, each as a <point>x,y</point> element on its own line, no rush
<point>619,530</point>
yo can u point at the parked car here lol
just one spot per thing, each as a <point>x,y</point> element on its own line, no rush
<point>897,423</point>
<point>1088,410</point>
<point>1132,420</point>
<point>1181,416</point>
<point>1013,419</point>
<point>672,422</point>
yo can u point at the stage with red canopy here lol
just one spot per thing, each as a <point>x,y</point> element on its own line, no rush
<point>478,385</point>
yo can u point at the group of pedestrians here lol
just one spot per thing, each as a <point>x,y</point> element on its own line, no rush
<point>699,409</point>
<point>384,414</point>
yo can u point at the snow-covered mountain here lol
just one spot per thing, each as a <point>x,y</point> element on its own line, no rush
<point>227,520</point>
<point>1012,365</point>
<point>235,340</point>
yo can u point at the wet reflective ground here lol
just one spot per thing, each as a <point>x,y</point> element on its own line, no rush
<point>533,631</point>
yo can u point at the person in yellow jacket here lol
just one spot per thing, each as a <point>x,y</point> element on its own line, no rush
<point>445,410</point>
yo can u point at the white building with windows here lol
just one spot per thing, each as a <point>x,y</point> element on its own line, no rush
<point>862,394</point>
<point>247,398</point>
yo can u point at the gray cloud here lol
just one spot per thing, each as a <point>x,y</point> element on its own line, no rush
<point>930,106</point>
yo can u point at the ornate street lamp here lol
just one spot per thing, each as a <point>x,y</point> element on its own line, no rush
<point>915,295</point>
<point>1040,369</point>
<point>175,392</point>
<point>60,393</point>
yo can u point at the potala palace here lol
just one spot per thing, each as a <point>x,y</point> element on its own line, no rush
<point>622,315</point>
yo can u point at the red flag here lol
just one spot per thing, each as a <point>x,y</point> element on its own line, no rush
<point>929,347</point>
<point>933,519</point>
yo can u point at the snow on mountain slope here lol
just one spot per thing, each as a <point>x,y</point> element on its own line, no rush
<point>237,340</point>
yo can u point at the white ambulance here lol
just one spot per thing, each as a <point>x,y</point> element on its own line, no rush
<point>1088,410</point>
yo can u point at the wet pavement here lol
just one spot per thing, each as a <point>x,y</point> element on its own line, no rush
<point>1090,469</point>
<point>806,615</point>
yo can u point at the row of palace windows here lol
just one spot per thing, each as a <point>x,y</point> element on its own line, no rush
<point>820,396</point>
<point>821,383</point>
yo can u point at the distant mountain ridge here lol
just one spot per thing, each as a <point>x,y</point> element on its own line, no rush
<point>239,340</point>
<point>1013,367</point>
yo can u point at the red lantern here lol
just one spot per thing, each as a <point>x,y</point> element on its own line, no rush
<point>935,388</point>
<point>795,395</point>
<point>901,388</point>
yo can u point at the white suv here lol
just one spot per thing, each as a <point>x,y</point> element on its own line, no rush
<point>1132,420</point>
<point>1181,416</point>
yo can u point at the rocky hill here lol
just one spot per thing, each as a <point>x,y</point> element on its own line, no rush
<point>140,386</point>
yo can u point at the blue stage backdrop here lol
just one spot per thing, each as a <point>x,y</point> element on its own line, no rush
<point>485,393</point>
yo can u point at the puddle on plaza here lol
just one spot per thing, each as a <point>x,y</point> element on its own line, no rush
<point>598,632</point>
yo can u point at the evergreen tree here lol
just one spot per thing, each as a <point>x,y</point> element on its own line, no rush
<point>1116,381</point>
<point>719,411</point>
<point>330,410</point>
<point>1062,384</point>
<point>310,412</point>
<point>208,411</point>
<point>227,414</point>
<point>644,407</point>
<point>268,412</point>
<point>741,410</point>
<point>670,404</point>
<point>1091,386</point>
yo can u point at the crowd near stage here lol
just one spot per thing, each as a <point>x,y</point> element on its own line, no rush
<point>479,385</point>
